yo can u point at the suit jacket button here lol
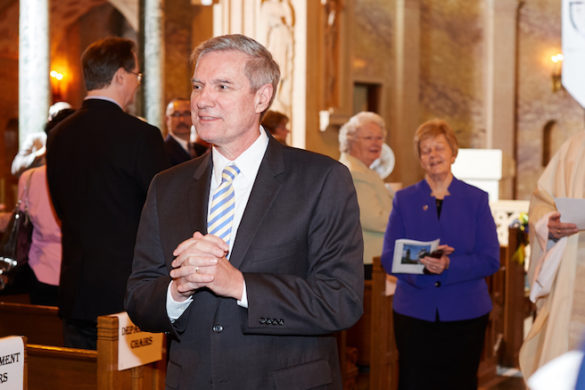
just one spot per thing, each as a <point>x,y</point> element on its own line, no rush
<point>437,284</point>
<point>262,320</point>
<point>217,328</point>
<point>268,321</point>
<point>281,322</point>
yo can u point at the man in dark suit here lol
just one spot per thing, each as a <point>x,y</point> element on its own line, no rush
<point>251,303</point>
<point>178,145</point>
<point>100,162</point>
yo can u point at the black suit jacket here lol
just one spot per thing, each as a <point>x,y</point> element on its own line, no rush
<point>100,162</point>
<point>175,151</point>
<point>299,246</point>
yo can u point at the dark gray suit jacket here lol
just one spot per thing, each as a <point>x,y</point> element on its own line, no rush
<point>299,247</point>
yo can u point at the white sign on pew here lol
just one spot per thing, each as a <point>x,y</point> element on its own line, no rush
<point>135,347</point>
<point>11,363</point>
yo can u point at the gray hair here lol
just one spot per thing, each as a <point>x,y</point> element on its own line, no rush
<point>348,132</point>
<point>260,69</point>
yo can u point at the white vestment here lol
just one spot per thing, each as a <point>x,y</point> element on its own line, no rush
<point>560,321</point>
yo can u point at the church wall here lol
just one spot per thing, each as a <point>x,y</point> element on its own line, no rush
<point>177,37</point>
<point>367,50</point>
<point>451,76</point>
<point>8,130</point>
<point>372,58</point>
<point>8,103</point>
<point>315,140</point>
<point>539,37</point>
<point>450,70</point>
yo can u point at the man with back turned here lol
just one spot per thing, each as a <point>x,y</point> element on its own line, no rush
<point>250,256</point>
<point>100,162</point>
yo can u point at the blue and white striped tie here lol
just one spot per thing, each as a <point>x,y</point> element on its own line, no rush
<point>223,204</point>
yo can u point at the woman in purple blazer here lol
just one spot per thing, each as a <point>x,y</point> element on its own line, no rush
<point>440,316</point>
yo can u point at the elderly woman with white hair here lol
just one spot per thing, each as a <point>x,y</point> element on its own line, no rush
<point>360,144</point>
<point>32,151</point>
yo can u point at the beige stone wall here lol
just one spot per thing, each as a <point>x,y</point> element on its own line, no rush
<point>452,67</point>
<point>539,37</point>
<point>177,37</point>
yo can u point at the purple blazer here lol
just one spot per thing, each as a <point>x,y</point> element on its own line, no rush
<point>467,225</point>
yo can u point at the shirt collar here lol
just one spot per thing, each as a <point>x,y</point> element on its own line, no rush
<point>248,162</point>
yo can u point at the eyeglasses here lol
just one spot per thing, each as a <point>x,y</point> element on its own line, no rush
<point>178,114</point>
<point>139,76</point>
<point>370,138</point>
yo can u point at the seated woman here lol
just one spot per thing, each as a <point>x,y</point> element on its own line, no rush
<point>360,144</point>
<point>440,316</point>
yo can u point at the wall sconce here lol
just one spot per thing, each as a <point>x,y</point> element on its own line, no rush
<point>56,85</point>
<point>557,72</point>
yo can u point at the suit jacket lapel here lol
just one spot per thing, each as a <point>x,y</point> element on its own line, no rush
<point>266,187</point>
<point>199,190</point>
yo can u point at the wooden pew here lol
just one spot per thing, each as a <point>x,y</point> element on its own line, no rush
<point>487,370</point>
<point>69,368</point>
<point>517,304</point>
<point>358,336</point>
<point>150,376</point>
<point>54,368</point>
<point>383,352</point>
<point>40,324</point>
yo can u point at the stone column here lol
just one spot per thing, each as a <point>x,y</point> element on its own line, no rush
<point>153,62</point>
<point>406,88</point>
<point>33,67</point>
<point>500,85</point>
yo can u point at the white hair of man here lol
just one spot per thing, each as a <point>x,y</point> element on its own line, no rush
<point>260,69</point>
<point>348,132</point>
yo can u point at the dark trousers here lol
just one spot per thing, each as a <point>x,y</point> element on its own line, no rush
<point>80,334</point>
<point>438,355</point>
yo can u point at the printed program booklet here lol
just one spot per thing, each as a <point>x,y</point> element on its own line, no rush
<point>407,255</point>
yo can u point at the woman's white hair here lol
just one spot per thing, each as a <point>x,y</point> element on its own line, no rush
<point>348,132</point>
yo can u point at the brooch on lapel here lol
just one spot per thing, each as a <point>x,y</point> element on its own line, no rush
<point>425,207</point>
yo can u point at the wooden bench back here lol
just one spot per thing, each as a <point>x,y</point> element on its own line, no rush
<point>40,324</point>
<point>51,367</point>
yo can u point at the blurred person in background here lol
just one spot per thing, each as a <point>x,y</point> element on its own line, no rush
<point>360,144</point>
<point>275,122</point>
<point>178,145</point>
<point>32,151</point>
<point>44,256</point>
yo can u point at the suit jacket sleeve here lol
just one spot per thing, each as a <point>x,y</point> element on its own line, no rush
<point>146,291</point>
<point>329,297</point>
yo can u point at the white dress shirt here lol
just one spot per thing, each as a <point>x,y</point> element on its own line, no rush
<point>248,162</point>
